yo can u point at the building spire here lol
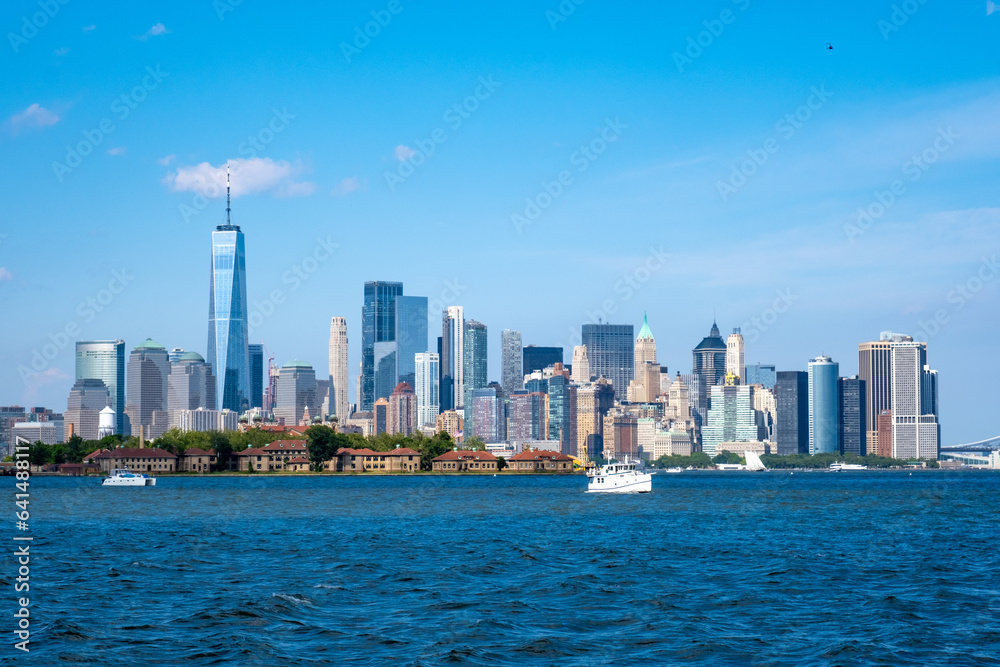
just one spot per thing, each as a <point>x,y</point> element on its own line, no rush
<point>228,221</point>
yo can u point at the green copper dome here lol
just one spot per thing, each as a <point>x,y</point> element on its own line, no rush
<point>297,364</point>
<point>644,332</point>
<point>149,344</point>
<point>192,356</point>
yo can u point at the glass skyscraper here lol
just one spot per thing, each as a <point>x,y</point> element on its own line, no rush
<point>256,352</point>
<point>427,376</point>
<point>105,360</point>
<point>511,373</point>
<point>535,358</point>
<point>474,367</point>
<point>760,374</point>
<point>611,351</point>
<point>852,416</point>
<point>791,396</point>
<point>824,406</point>
<point>411,336</point>
<point>228,344</point>
<point>452,353</point>
<point>378,342</point>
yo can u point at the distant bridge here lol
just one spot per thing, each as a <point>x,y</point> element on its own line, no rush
<point>982,445</point>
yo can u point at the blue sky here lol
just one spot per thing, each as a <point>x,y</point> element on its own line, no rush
<point>669,103</point>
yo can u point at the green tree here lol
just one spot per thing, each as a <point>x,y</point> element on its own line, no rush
<point>473,443</point>
<point>434,447</point>
<point>39,453</point>
<point>726,456</point>
<point>323,444</point>
<point>501,463</point>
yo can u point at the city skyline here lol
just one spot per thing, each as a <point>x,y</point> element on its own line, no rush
<point>789,262</point>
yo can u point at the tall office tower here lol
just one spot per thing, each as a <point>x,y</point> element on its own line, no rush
<point>562,413</point>
<point>175,354</point>
<point>452,358</point>
<point>83,408</point>
<point>256,355</point>
<point>411,335</point>
<point>148,368</point>
<point>474,368</point>
<point>698,399</point>
<point>735,356</point>
<point>581,365</point>
<point>593,401</point>
<point>611,353</point>
<point>378,341</point>
<point>766,407</point>
<point>190,386</point>
<point>645,347</point>
<point>824,406</point>
<point>525,416</point>
<point>511,375</point>
<point>403,410</point>
<point>427,376</point>
<point>709,357</point>
<point>791,397</point>
<point>380,414</point>
<point>761,374</point>
<point>9,415</point>
<point>929,392</point>
<point>852,416</point>
<point>105,360</point>
<point>884,440</point>
<point>875,368</point>
<point>228,332</point>
<point>487,411</point>
<point>322,399</point>
<point>914,434</point>
<point>536,358</point>
<point>296,393</point>
<point>621,435</point>
<point>646,385</point>
<point>730,419</point>
<point>339,402</point>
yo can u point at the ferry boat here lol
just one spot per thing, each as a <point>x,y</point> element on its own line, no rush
<point>674,470</point>
<point>125,477</point>
<point>847,466</point>
<point>618,478</point>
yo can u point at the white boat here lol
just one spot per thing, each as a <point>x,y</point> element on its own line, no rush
<point>618,478</point>
<point>674,470</point>
<point>125,477</point>
<point>754,464</point>
<point>847,466</point>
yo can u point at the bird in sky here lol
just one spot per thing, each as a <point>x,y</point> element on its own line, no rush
<point>829,46</point>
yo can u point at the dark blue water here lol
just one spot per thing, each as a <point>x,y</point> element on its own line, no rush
<point>710,568</point>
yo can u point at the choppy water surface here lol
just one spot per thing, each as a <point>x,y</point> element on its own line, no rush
<point>710,568</point>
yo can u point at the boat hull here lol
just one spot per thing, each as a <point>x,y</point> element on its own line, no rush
<point>129,481</point>
<point>643,484</point>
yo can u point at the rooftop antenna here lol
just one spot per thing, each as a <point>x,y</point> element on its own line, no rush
<point>228,222</point>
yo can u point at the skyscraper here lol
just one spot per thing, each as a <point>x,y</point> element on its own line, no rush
<point>735,355</point>
<point>581,365</point>
<point>256,353</point>
<point>190,386</point>
<point>536,358</point>
<point>411,335</point>
<point>761,374</point>
<point>474,364</point>
<point>487,411</point>
<point>228,333</point>
<point>146,404</point>
<point>709,357</point>
<point>593,401</point>
<point>824,406</point>
<point>339,403</point>
<point>296,393</point>
<point>427,375</point>
<point>730,419</point>
<point>526,416</point>
<point>645,347</point>
<point>105,360</point>
<point>914,434</point>
<point>791,396</point>
<point>511,373</point>
<point>610,350</point>
<point>378,341</point>
<point>402,410</point>
<point>852,416</point>
<point>452,358</point>
<point>562,413</point>
<point>83,408</point>
<point>875,369</point>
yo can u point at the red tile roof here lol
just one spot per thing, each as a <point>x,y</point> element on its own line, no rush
<point>136,453</point>
<point>540,455</point>
<point>286,446</point>
<point>251,451</point>
<point>194,451</point>
<point>464,455</point>
<point>299,459</point>
<point>403,451</point>
<point>94,454</point>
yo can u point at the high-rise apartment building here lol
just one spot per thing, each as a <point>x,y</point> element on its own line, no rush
<point>296,393</point>
<point>378,341</point>
<point>474,364</point>
<point>256,355</point>
<point>105,360</point>
<point>228,330</point>
<point>562,413</point>
<point>488,415</point>
<point>526,416</point>
<point>402,410</point>
<point>427,376</point>
<point>824,406</point>
<point>339,402</point>
<point>736,356</point>
<point>452,358</point>
<point>593,402</point>
<point>791,397</point>
<point>411,335</point>
<point>611,352</point>
<point>852,416</point>
<point>511,373</point>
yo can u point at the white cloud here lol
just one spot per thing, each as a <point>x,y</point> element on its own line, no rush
<point>117,150</point>
<point>5,275</point>
<point>166,160</point>
<point>990,7</point>
<point>88,28</point>
<point>158,29</point>
<point>346,187</point>
<point>34,116</point>
<point>248,176</point>
<point>403,153</point>
<point>61,52</point>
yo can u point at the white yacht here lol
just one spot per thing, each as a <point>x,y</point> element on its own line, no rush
<point>847,466</point>
<point>125,477</point>
<point>674,470</point>
<point>618,478</point>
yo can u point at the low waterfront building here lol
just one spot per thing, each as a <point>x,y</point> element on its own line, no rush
<point>540,461</point>
<point>401,459</point>
<point>460,460</point>
<point>136,459</point>
<point>298,464</point>
<point>196,460</point>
